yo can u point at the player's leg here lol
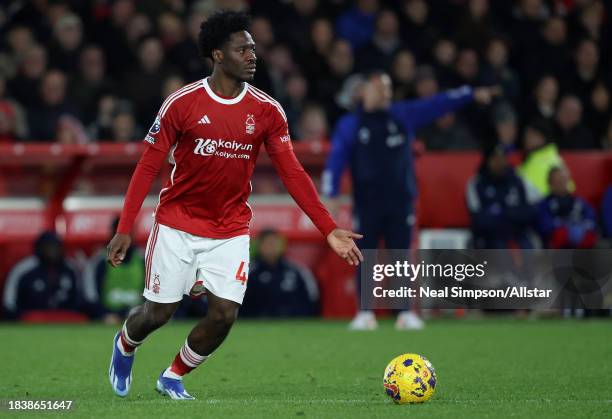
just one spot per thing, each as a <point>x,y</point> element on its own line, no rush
<point>223,269</point>
<point>398,238</point>
<point>169,263</point>
<point>368,223</point>
<point>204,338</point>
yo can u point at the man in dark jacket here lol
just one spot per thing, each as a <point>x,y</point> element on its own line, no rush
<point>376,142</point>
<point>43,281</point>
<point>278,287</point>
<point>501,204</point>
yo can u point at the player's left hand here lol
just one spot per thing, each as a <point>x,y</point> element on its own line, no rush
<point>342,242</point>
<point>485,95</point>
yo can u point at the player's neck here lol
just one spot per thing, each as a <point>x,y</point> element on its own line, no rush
<point>224,86</point>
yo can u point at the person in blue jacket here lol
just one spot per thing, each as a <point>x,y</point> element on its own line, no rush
<point>565,220</point>
<point>375,141</point>
<point>501,204</point>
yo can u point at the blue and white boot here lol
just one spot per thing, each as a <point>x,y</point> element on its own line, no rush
<point>173,388</point>
<point>120,370</point>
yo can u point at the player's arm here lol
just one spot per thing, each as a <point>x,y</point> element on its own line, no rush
<point>342,141</point>
<point>417,113</point>
<point>302,190</point>
<point>159,140</point>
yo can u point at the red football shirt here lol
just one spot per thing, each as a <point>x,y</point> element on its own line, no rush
<point>213,143</point>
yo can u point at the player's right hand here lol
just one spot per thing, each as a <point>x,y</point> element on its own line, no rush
<point>117,248</point>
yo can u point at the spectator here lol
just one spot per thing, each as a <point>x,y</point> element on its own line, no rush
<point>66,46</point>
<point>142,85</point>
<point>186,54</point>
<point>101,128</point>
<point>90,83</point>
<point>296,22</point>
<point>43,120</point>
<point>476,26</point>
<point>599,110</point>
<point>124,126</point>
<point>497,71</point>
<point>550,51</point>
<point>25,87</point>
<point>582,78</point>
<point>571,134</point>
<point>171,85</point>
<point>541,155</point>
<point>357,24</point>
<point>445,55</point>
<point>314,60</point>
<point>277,287</point>
<point>565,221</point>
<point>312,125</point>
<point>113,292</point>
<point>543,103</point>
<point>340,62</point>
<point>501,205</point>
<point>295,101</point>
<point>43,281</point>
<point>447,133</point>
<point>403,72</point>
<point>378,53</point>
<point>506,125</point>
<point>110,34</point>
<point>417,27</point>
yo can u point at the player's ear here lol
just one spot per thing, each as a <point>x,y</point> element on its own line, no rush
<point>217,55</point>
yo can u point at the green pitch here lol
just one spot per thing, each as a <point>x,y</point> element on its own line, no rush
<point>486,368</point>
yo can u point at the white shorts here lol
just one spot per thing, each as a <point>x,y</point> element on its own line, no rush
<point>178,263</point>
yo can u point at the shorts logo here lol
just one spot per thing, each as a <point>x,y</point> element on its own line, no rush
<point>156,284</point>
<point>155,127</point>
<point>250,124</point>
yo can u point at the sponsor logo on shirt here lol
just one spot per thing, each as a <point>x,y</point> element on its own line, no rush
<point>222,148</point>
<point>285,138</point>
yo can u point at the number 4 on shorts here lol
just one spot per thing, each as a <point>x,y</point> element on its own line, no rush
<point>241,274</point>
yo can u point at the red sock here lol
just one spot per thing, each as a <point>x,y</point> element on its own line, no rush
<point>185,361</point>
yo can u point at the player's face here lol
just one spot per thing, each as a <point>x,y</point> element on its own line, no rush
<point>239,59</point>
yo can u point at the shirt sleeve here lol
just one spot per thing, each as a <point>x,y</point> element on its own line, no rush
<point>294,177</point>
<point>277,139</point>
<point>416,113</point>
<point>165,130</point>
<point>162,136</point>
<point>147,169</point>
<point>342,141</point>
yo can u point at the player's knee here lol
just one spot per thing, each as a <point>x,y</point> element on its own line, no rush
<point>159,315</point>
<point>224,316</point>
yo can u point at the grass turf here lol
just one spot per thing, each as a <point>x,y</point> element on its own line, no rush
<point>486,368</point>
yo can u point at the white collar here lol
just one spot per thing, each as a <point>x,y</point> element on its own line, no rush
<point>219,99</point>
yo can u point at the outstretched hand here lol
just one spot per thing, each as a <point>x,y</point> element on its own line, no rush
<point>342,242</point>
<point>117,248</point>
<point>485,95</point>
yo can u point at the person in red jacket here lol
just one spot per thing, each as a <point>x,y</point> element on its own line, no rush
<point>213,130</point>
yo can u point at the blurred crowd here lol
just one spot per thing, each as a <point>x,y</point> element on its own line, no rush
<point>78,71</point>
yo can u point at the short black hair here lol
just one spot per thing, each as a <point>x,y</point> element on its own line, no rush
<point>216,30</point>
